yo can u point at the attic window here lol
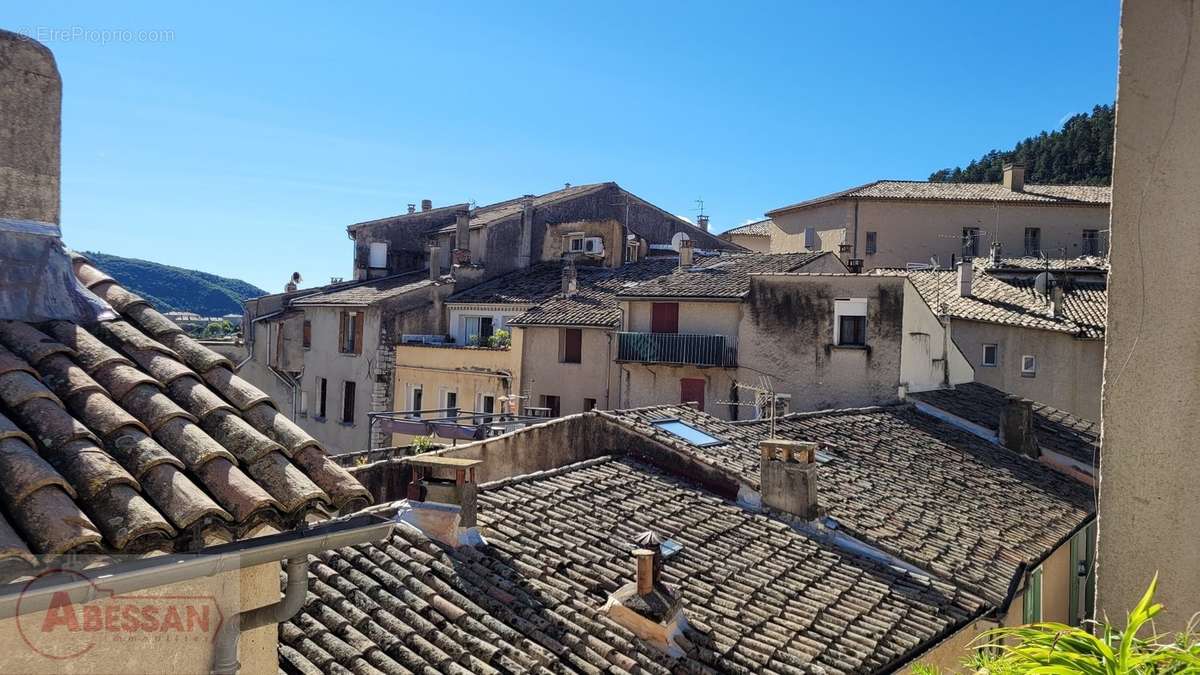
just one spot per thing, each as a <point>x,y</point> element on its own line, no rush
<point>687,432</point>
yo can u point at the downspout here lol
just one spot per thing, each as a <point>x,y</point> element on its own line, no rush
<point>855,228</point>
<point>225,646</point>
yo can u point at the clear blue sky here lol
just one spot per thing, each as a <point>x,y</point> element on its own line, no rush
<point>247,142</point>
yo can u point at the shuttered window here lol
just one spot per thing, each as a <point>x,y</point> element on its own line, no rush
<point>350,333</point>
<point>307,334</point>
<point>348,402</point>
<point>664,317</point>
<point>572,345</point>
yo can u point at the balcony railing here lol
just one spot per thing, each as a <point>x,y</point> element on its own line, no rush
<point>694,350</point>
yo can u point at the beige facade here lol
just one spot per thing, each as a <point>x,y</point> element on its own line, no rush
<point>752,242</point>
<point>916,231</point>
<point>577,386</point>
<point>1148,470</point>
<point>1068,373</point>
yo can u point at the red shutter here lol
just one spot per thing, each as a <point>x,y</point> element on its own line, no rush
<point>307,334</point>
<point>664,317</point>
<point>358,332</point>
<point>691,390</point>
<point>573,345</point>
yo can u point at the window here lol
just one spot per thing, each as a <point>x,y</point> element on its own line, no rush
<point>307,334</point>
<point>850,322</point>
<point>1033,241</point>
<point>872,242</point>
<point>687,432</point>
<point>1032,605</point>
<point>551,402</point>
<point>573,242</point>
<point>810,237</point>
<point>304,403</point>
<point>478,327</point>
<point>416,397</point>
<point>347,403</point>
<point>631,252</point>
<point>378,255</point>
<point>350,333</point>
<point>664,317</point>
<point>572,342</point>
<point>1028,366</point>
<point>691,391</point>
<point>970,242</point>
<point>450,402</point>
<point>991,356</point>
<point>1091,242</point>
<point>589,404</point>
<point>322,387</point>
<point>486,403</point>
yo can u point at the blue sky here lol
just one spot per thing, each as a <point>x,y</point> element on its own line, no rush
<point>246,141</point>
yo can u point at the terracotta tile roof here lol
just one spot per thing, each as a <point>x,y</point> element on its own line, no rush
<point>365,293</point>
<point>906,190</point>
<point>759,228</point>
<point>719,277</point>
<point>1032,264</point>
<point>129,436</point>
<point>913,486</point>
<point>1016,302</point>
<point>759,595</point>
<point>1056,430</point>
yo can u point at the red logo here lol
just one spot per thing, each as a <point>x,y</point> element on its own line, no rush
<point>69,629</point>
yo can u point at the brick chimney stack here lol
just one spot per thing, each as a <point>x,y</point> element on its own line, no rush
<point>1014,176</point>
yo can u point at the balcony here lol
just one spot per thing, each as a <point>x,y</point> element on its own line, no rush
<point>673,348</point>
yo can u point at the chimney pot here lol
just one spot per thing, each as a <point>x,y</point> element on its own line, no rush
<point>702,222</point>
<point>788,476</point>
<point>570,278</point>
<point>426,204</point>
<point>1056,301</point>
<point>644,559</point>
<point>966,275</point>
<point>686,253</point>
<point>1014,176</point>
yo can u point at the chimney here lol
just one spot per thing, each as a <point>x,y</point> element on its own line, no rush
<point>844,253</point>
<point>570,277</point>
<point>1016,426</point>
<point>435,262</point>
<point>702,222</point>
<point>646,606</point>
<point>412,208</point>
<point>1056,301</point>
<point>525,251</point>
<point>462,236</point>
<point>443,508</point>
<point>788,476</point>
<point>426,204</point>
<point>1014,176</point>
<point>685,253</point>
<point>994,252</point>
<point>966,276</point>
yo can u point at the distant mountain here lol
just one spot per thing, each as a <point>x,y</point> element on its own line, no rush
<point>1080,153</point>
<point>177,289</point>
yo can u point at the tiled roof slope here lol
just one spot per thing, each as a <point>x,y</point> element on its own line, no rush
<point>915,487</point>
<point>1031,264</point>
<point>491,213</point>
<point>1017,302</point>
<point>909,190</point>
<point>1056,430</point>
<point>364,293</point>
<point>759,596</point>
<point>130,436</point>
<point>720,277</point>
<point>759,228</point>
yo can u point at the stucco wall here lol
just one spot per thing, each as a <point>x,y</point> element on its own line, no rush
<point>929,359</point>
<point>695,317</point>
<point>912,232</point>
<point>543,372</point>
<point>1069,370</point>
<point>756,243</point>
<point>1149,472</point>
<point>653,384</point>
<point>324,360</point>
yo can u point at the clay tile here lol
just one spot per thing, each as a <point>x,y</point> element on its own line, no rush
<point>151,321</point>
<point>190,444</point>
<point>235,435</point>
<point>25,472</point>
<point>102,415</point>
<point>124,335</point>
<point>65,378</point>
<point>347,493</point>
<point>15,556</point>
<point>9,429</point>
<point>178,498</point>
<point>28,342</point>
<point>128,521</point>
<point>235,389</point>
<point>11,363</point>
<point>152,407</point>
<point>18,388</point>
<point>277,427</point>
<point>246,500</point>
<point>286,483</point>
<point>133,447</point>
<point>200,358</point>
<point>160,366</point>
<point>88,274</point>
<point>52,523</point>
<point>90,470</point>
<point>120,378</point>
<point>196,398</point>
<point>121,300</point>
<point>50,424</point>
<point>90,352</point>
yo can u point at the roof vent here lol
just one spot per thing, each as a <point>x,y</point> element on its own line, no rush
<point>788,476</point>
<point>1014,176</point>
<point>647,607</point>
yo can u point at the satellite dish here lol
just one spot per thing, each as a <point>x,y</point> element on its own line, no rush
<point>679,236</point>
<point>1041,282</point>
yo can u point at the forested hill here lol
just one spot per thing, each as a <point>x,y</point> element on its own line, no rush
<point>1078,154</point>
<point>177,289</point>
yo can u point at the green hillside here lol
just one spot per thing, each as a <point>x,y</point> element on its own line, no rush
<point>1078,154</point>
<point>177,289</point>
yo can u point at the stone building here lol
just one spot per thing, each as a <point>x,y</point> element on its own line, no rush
<point>891,223</point>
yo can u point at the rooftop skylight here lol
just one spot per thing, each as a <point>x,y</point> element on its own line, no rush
<point>687,432</point>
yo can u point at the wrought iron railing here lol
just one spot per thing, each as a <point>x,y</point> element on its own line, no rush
<point>695,350</point>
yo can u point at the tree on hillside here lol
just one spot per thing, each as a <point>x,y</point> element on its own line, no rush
<point>1078,154</point>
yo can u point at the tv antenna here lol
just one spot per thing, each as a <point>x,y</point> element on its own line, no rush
<point>700,206</point>
<point>765,399</point>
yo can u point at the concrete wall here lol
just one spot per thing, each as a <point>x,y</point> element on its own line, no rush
<point>912,232</point>
<point>30,128</point>
<point>1069,370</point>
<point>544,373</point>
<point>1148,471</point>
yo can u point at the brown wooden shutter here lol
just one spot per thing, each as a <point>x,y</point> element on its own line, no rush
<point>573,345</point>
<point>664,317</point>
<point>358,332</point>
<point>307,333</point>
<point>342,331</point>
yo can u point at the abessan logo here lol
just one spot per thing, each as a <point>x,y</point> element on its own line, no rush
<point>69,630</point>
